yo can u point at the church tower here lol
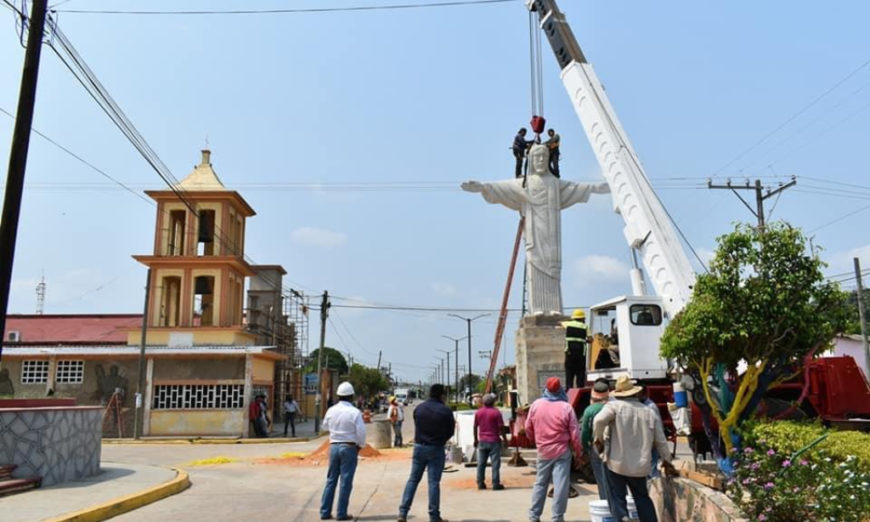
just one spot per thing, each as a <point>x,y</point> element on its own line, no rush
<point>198,267</point>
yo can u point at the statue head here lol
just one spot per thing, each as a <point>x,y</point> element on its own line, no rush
<point>539,157</point>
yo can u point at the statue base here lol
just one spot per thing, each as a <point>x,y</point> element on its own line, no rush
<point>540,354</point>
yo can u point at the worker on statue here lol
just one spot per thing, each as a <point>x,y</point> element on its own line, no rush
<point>540,199</point>
<point>519,147</point>
<point>575,350</point>
<point>553,145</point>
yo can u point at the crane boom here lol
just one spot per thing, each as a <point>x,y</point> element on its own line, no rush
<point>648,228</point>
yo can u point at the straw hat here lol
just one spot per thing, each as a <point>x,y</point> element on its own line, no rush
<point>625,388</point>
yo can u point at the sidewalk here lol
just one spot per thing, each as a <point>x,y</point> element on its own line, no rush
<point>111,485</point>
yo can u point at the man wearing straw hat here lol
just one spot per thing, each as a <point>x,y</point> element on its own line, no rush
<point>634,430</point>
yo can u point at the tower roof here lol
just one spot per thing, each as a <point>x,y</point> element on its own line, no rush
<point>203,176</point>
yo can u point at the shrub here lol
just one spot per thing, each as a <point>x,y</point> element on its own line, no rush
<point>826,482</point>
<point>789,437</point>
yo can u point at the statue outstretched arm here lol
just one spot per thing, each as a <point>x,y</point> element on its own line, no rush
<point>573,193</point>
<point>509,193</point>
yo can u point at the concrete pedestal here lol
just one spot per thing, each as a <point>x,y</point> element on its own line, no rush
<point>540,352</point>
<point>379,434</point>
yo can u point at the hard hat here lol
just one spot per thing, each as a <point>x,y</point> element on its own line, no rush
<point>578,314</point>
<point>392,398</point>
<point>345,389</point>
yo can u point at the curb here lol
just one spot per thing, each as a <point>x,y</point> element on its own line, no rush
<point>128,503</point>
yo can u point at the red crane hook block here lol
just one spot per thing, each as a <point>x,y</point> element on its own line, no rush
<point>538,123</point>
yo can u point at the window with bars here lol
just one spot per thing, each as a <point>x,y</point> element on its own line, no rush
<point>34,372</point>
<point>72,372</point>
<point>198,396</point>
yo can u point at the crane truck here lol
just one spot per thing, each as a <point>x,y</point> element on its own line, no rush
<point>632,325</point>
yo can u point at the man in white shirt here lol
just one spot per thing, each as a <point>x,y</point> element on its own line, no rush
<point>291,408</point>
<point>397,416</point>
<point>347,435</point>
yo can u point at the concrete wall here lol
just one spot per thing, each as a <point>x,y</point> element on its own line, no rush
<point>59,444</point>
<point>683,500</point>
<point>198,422</point>
<point>199,369</point>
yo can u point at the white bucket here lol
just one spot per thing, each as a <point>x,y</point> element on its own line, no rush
<point>632,509</point>
<point>600,511</point>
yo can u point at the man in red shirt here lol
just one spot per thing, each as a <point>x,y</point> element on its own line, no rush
<point>553,426</point>
<point>488,435</point>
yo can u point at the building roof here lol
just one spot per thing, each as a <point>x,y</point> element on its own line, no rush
<point>203,176</point>
<point>71,329</point>
<point>133,351</point>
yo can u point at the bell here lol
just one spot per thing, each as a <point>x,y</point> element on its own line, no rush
<point>202,285</point>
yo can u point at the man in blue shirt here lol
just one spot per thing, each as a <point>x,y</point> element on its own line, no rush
<point>433,427</point>
<point>519,149</point>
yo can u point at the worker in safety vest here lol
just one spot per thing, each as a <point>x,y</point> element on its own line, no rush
<point>575,350</point>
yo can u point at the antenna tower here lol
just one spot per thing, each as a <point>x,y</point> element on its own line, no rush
<point>40,296</point>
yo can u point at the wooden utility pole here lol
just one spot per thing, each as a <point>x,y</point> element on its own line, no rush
<point>862,313</point>
<point>18,154</point>
<point>760,195</point>
<point>318,399</point>
<point>379,361</point>
<point>140,389</point>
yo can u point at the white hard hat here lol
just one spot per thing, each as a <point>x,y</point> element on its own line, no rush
<point>345,389</point>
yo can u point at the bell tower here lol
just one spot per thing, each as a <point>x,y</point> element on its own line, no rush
<point>198,267</point>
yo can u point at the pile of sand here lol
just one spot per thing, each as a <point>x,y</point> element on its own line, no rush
<point>318,457</point>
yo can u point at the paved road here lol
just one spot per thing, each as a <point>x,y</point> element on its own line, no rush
<point>252,489</point>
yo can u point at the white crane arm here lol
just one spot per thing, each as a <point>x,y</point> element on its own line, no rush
<point>648,229</point>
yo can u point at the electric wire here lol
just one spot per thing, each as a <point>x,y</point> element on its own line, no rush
<point>453,3</point>
<point>792,117</point>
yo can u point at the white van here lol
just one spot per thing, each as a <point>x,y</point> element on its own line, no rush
<point>402,395</point>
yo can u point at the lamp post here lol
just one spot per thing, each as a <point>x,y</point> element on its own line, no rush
<point>456,363</point>
<point>447,380</point>
<point>468,322</point>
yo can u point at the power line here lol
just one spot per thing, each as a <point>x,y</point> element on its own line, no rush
<point>792,117</point>
<point>455,3</point>
<point>841,218</point>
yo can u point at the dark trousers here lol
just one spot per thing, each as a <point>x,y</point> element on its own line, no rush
<point>290,420</point>
<point>519,157</point>
<point>554,162</point>
<point>575,371</point>
<point>617,485</point>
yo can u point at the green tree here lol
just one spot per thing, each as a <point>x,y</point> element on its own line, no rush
<point>475,381</point>
<point>367,381</point>
<point>853,321</point>
<point>764,302</point>
<point>332,359</point>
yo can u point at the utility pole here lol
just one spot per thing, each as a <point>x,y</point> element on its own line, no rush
<point>468,321</point>
<point>379,361</point>
<point>455,364</point>
<point>862,312</point>
<point>18,154</point>
<point>447,353</point>
<point>318,399</point>
<point>760,195</point>
<point>140,390</point>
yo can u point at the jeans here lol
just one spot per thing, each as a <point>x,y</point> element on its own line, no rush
<point>518,155</point>
<point>491,450</point>
<point>554,162</point>
<point>618,505</point>
<point>559,471</point>
<point>290,419</point>
<point>342,463</point>
<point>431,459</point>
<point>600,475</point>
<point>397,437</point>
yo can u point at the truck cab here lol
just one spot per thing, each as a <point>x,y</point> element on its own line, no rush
<point>625,339</point>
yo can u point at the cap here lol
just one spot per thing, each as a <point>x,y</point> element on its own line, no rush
<point>554,384</point>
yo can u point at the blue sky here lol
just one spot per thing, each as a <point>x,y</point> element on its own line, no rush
<point>430,97</point>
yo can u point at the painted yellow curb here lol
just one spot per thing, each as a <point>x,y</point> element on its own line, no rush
<point>115,507</point>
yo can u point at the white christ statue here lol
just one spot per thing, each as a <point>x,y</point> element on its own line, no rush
<point>540,201</point>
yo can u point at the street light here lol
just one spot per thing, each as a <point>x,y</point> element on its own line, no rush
<point>448,365</point>
<point>456,363</point>
<point>468,321</point>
